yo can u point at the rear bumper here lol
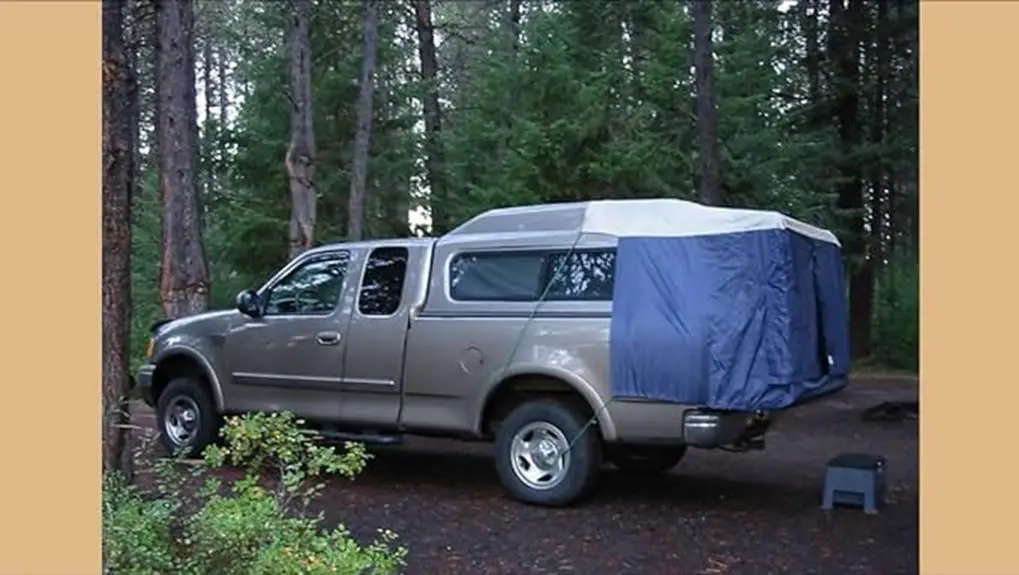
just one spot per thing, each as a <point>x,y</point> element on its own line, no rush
<point>144,382</point>
<point>645,421</point>
<point>710,428</point>
<point>705,428</point>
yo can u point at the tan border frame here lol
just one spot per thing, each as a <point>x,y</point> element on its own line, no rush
<point>50,149</point>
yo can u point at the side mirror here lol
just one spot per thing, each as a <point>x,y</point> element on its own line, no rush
<point>249,303</point>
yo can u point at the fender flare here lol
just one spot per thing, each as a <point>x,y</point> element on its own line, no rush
<point>196,356</point>
<point>606,424</point>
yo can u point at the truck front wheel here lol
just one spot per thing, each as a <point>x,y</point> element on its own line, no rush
<point>546,454</point>
<point>186,416</point>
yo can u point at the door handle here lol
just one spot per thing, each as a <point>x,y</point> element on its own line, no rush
<point>328,338</point>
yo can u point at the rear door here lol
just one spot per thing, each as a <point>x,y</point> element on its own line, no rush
<point>373,364</point>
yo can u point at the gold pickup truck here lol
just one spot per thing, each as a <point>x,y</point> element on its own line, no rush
<point>569,334</point>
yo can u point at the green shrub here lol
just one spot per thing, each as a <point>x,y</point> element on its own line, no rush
<point>896,328</point>
<point>256,525</point>
<point>136,532</point>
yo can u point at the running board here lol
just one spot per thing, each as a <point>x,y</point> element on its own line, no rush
<point>369,438</point>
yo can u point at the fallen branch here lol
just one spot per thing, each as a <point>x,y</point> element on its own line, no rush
<point>892,411</point>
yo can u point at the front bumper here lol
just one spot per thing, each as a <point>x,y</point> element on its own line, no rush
<point>144,381</point>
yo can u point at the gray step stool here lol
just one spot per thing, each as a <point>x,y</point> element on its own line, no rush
<point>855,479</point>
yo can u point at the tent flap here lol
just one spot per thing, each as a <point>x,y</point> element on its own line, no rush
<point>741,321</point>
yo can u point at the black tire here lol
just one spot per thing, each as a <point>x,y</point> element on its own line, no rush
<point>648,459</point>
<point>190,391</point>
<point>583,460</point>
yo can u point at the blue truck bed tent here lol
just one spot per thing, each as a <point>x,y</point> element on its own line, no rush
<point>723,308</point>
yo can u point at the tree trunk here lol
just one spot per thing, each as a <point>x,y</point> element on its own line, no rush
<point>196,148</point>
<point>184,285</point>
<point>221,58</point>
<point>223,105</point>
<point>844,42</point>
<point>641,19</point>
<point>153,64</point>
<point>116,260</point>
<point>300,158</point>
<point>362,139</point>
<point>433,121</point>
<point>902,97</point>
<point>133,39</point>
<point>811,18</point>
<point>393,192</point>
<point>710,185</point>
<point>879,173</point>
<point>208,137</point>
<point>892,222</point>
<point>514,22</point>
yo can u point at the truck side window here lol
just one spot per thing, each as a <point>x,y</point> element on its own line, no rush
<point>382,286</point>
<point>582,275</point>
<point>497,276</point>
<point>585,275</point>
<point>313,288</point>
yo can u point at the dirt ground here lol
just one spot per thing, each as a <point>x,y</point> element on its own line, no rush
<point>716,513</point>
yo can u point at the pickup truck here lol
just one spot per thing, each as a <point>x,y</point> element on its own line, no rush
<point>469,336</point>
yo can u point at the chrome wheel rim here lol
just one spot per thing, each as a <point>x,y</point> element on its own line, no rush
<point>181,420</point>
<point>540,455</point>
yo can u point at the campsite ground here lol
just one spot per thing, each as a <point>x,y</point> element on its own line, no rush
<point>715,513</point>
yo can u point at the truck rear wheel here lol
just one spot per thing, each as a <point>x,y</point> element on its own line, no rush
<point>648,459</point>
<point>546,454</point>
<point>186,416</point>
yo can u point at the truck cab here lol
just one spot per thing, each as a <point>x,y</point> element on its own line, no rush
<point>323,338</point>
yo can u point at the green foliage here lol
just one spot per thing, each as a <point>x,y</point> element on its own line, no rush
<point>257,524</point>
<point>594,99</point>
<point>897,316</point>
<point>137,538</point>
<point>146,250</point>
<point>277,441</point>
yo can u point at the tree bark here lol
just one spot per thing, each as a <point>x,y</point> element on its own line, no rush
<point>433,121</point>
<point>641,20</point>
<point>196,148</point>
<point>878,176</point>
<point>224,104</point>
<point>362,139</point>
<point>844,42</point>
<point>184,285</point>
<point>300,158</point>
<point>710,185</point>
<point>902,97</point>
<point>116,259</point>
<point>392,192</point>
<point>153,65</point>
<point>811,18</point>
<point>514,22</point>
<point>208,137</point>
<point>132,40</point>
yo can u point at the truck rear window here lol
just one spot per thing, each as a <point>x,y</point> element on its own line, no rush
<point>382,285</point>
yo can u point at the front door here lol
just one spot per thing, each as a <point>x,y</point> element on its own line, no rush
<point>291,358</point>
